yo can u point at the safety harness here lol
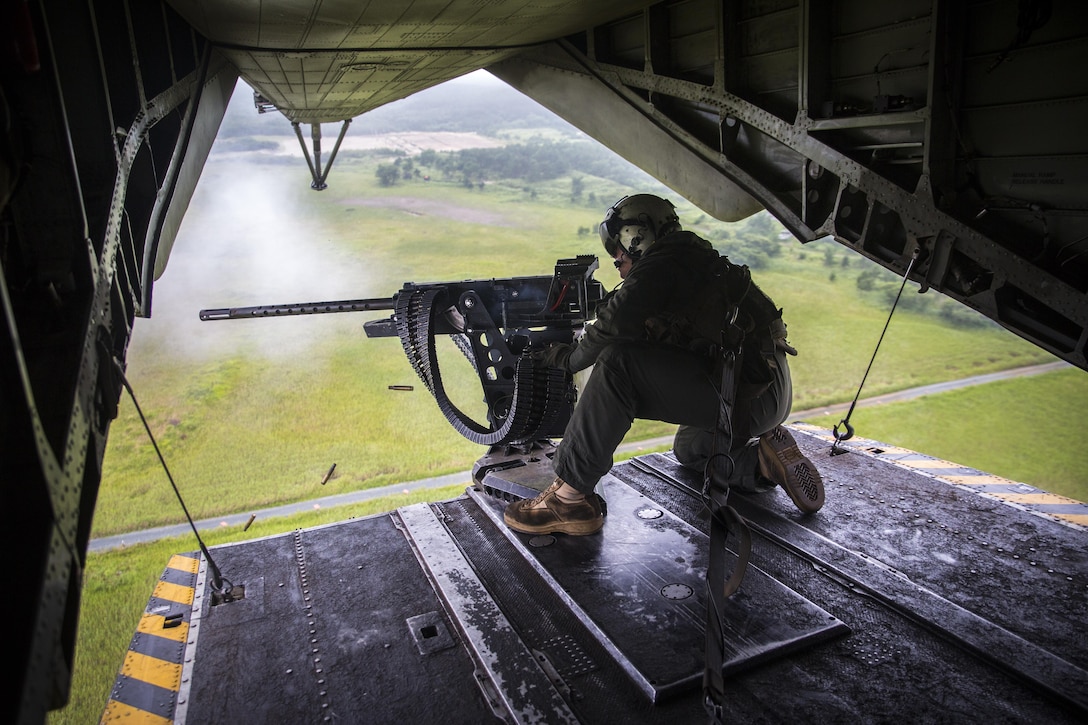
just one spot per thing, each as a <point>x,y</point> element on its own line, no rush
<point>747,310</point>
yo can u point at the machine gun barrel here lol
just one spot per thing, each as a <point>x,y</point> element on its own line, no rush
<point>494,322</point>
<point>301,308</point>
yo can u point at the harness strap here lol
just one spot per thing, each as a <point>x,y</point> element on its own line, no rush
<point>723,519</point>
<point>734,424</point>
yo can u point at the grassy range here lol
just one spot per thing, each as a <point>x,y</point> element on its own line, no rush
<point>1018,427</point>
<point>245,423</point>
<point>260,424</point>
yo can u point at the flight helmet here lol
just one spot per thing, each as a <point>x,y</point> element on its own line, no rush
<point>636,222</point>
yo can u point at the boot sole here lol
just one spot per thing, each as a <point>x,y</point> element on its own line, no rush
<point>572,528</point>
<point>792,470</point>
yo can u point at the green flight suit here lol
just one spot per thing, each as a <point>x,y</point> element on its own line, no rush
<point>651,363</point>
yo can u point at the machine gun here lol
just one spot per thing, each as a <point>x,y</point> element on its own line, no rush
<point>494,322</point>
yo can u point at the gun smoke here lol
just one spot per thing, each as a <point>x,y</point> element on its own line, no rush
<point>248,239</point>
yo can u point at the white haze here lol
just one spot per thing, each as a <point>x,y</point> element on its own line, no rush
<point>246,242</point>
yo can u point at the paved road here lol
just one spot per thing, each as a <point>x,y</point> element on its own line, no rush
<point>909,394</point>
<point>122,540</point>
<point>918,392</point>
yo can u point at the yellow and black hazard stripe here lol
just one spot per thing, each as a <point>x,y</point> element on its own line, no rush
<point>1048,505</point>
<point>146,689</point>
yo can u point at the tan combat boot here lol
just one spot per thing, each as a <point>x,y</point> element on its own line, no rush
<point>548,513</point>
<point>781,461</point>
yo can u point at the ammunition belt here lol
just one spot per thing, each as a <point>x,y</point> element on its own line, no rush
<point>539,406</point>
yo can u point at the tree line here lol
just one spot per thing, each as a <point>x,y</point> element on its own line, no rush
<point>533,161</point>
<point>755,241</point>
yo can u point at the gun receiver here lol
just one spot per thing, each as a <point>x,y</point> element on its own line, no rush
<point>494,322</point>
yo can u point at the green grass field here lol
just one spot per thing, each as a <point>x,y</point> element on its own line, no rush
<point>253,413</point>
<point>1020,427</point>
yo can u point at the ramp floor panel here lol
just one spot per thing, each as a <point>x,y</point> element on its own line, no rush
<point>641,582</point>
<point>978,552</point>
<point>911,597</point>
<point>595,683</point>
<point>1011,628</point>
<point>325,631</point>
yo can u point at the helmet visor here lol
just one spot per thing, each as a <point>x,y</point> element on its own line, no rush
<point>611,246</point>
<point>611,226</point>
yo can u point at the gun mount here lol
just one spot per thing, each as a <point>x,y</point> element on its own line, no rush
<point>494,322</point>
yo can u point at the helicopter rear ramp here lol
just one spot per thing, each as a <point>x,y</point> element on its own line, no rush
<point>920,590</point>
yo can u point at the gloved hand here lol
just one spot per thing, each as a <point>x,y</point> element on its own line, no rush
<point>553,356</point>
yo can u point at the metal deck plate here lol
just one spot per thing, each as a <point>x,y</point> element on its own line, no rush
<point>959,605</point>
<point>641,583</point>
<point>513,671</point>
<point>329,630</point>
